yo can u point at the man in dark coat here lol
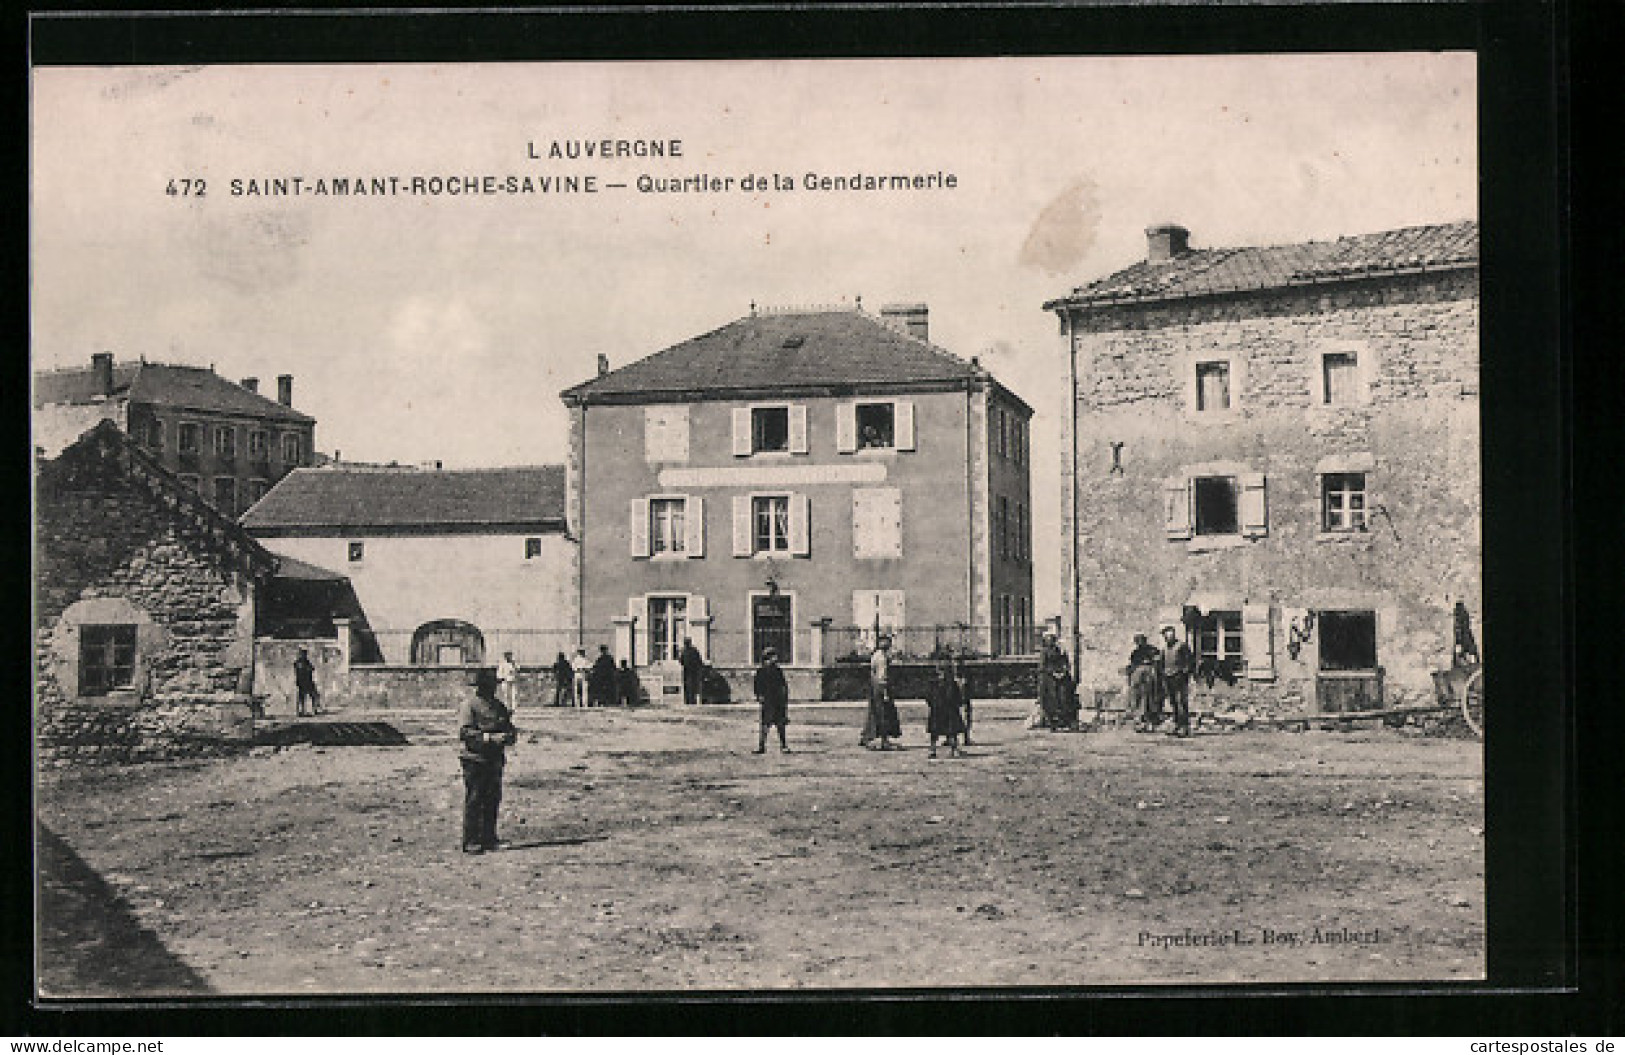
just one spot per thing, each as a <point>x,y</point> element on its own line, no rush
<point>1144,692</point>
<point>1178,664</point>
<point>693,665</point>
<point>1057,692</point>
<point>601,682</point>
<point>563,678</point>
<point>944,714</point>
<point>304,680</point>
<point>774,696</point>
<point>627,690</point>
<point>484,731</point>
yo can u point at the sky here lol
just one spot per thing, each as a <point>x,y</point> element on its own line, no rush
<point>423,328</point>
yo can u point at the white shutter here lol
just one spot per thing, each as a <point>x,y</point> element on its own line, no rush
<point>741,431</point>
<point>846,427</point>
<point>892,523</point>
<point>1257,643</point>
<point>1176,507</point>
<point>637,639</point>
<point>891,610</point>
<point>637,526</point>
<point>798,430</point>
<point>694,526</point>
<point>699,629</point>
<point>800,526</point>
<point>903,424</point>
<point>742,526</point>
<point>1253,511</point>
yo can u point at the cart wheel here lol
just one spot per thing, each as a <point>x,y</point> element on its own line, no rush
<point>1472,702</point>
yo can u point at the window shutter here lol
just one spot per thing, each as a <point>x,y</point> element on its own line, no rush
<point>699,630</point>
<point>637,526</point>
<point>904,424</point>
<point>1257,643</point>
<point>1254,514</point>
<point>694,526</point>
<point>741,431</point>
<point>800,526</point>
<point>742,526</point>
<point>891,609</point>
<point>846,427</point>
<point>798,430</point>
<point>1176,507</point>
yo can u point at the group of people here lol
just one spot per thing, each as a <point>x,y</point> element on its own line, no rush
<point>580,682</point>
<point>948,704</point>
<point>1159,675</point>
<point>1058,706</point>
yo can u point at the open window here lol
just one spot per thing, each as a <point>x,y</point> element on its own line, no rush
<point>1211,503</point>
<point>874,425</point>
<point>877,426</point>
<point>1348,640</point>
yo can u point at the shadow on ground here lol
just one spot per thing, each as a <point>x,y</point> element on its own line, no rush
<point>332,734</point>
<point>90,944</point>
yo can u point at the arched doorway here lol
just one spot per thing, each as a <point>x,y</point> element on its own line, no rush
<point>447,643</point>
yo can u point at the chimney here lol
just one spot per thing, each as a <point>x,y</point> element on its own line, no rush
<point>101,367</point>
<point>1165,241</point>
<point>284,389</point>
<point>912,319</point>
<point>603,364</point>
<point>251,383</point>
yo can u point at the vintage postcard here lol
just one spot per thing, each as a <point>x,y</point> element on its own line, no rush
<point>662,526</point>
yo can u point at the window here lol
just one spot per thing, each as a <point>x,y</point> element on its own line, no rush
<point>877,522</point>
<point>258,445</point>
<point>155,435</point>
<point>769,429</point>
<point>1212,386</point>
<point>1019,533</point>
<point>877,426</point>
<point>668,625</point>
<point>256,491</point>
<point>665,434</point>
<point>1214,498</point>
<point>533,548</point>
<point>225,495</point>
<point>290,448</point>
<point>770,523</point>
<point>1001,526</point>
<point>191,437</point>
<point>1340,372</point>
<point>667,528</point>
<point>225,441</point>
<point>1348,640</point>
<point>1218,638</point>
<point>106,659</point>
<point>1343,502</point>
<point>358,551</point>
<point>1003,445</point>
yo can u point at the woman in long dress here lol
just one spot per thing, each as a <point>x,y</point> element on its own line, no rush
<point>881,722</point>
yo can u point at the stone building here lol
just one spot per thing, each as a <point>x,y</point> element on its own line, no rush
<point>225,440</point>
<point>1277,450</point>
<point>443,567</point>
<point>796,479</point>
<point>144,606</point>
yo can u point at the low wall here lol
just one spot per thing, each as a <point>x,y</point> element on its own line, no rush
<point>382,686</point>
<point>273,670</point>
<point>155,730</point>
<point>1014,679</point>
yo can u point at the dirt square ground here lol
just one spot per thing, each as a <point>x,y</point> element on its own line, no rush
<point>651,850</point>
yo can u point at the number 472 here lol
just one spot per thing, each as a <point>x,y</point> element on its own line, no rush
<point>186,188</point>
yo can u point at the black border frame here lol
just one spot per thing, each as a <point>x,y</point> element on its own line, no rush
<point>1532,847</point>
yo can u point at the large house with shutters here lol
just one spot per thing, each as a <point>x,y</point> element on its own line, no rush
<point>798,480</point>
<point>221,438</point>
<point>1276,450</point>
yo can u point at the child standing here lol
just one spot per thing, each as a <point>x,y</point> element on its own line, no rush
<point>946,717</point>
<point>774,696</point>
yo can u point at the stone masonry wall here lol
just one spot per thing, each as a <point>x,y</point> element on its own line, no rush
<point>1416,435</point>
<point>108,553</point>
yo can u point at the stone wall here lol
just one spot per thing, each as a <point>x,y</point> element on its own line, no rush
<point>385,686</point>
<point>1415,433</point>
<point>111,552</point>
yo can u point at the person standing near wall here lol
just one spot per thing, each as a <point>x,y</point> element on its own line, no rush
<point>484,729</point>
<point>962,683</point>
<point>1177,666</point>
<point>304,680</point>
<point>693,672</point>
<point>508,681</point>
<point>881,722</point>
<point>944,711</point>
<point>773,694</point>
<point>601,682</point>
<point>563,681</point>
<point>1144,694</point>
<point>582,668</point>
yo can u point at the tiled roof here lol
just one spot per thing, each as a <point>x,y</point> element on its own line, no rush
<point>786,350</point>
<point>162,384</point>
<point>416,498</point>
<point>1200,272</point>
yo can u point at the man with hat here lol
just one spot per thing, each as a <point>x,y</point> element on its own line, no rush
<point>1145,695</point>
<point>1178,664</point>
<point>774,696</point>
<point>484,730</point>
